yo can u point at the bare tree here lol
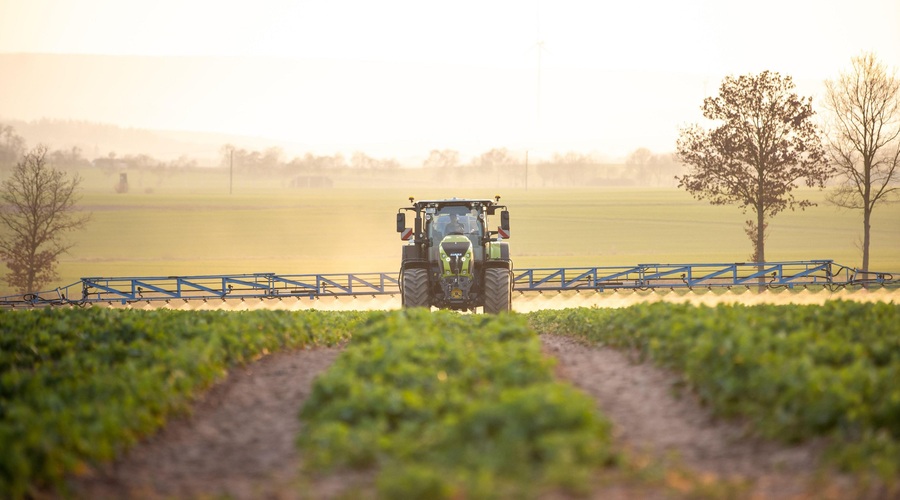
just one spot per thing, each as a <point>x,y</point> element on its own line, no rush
<point>271,158</point>
<point>38,209</point>
<point>766,143</point>
<point>447,158</point>
<point>864,139</point>
<point>639,160</point>
<point>495,158</point>
<point>664,166</point>
<point>11,145</point>
<point>565,168</point>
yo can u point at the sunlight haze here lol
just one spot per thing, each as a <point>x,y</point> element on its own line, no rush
<point>400,78</point>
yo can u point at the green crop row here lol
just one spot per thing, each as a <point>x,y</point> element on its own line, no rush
<point>448,405</point>
<point>80,385</point>
<point>796,372</point>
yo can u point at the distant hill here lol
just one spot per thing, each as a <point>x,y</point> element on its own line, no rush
<point>98,140</point>
<point>149,105</point>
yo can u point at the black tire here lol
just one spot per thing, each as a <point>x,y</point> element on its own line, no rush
<point>415,288</point>
<point>497,290</point>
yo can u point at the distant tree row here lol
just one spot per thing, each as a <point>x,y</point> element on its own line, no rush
<point>113,163</point>
<point>643,167</point>
<point>12,145</point>
<point>272,160</point>
<point>13,148</point>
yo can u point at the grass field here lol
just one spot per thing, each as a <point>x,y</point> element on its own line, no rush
<point>192,226</point>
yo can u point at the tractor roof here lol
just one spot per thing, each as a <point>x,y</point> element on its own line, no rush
<point>454,202</point>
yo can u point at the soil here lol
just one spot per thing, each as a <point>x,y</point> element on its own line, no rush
<point>239,440</point>
<point>655,419</point>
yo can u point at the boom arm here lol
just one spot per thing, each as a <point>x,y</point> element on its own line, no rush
<point>814,273</point>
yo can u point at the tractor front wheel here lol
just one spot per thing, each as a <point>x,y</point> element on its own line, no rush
<point>497,290</point>
<point>415,288</point>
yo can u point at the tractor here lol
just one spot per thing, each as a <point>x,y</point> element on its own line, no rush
<point>452,260</point>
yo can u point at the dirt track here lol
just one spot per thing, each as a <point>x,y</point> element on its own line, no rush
<point>239,442</point>
<point>653,418</point>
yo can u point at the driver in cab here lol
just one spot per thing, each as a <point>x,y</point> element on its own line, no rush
<point>454,226</point>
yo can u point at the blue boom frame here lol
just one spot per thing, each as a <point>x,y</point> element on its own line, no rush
<point>124,290</point>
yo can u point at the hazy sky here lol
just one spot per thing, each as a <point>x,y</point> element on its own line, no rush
<point>614,76</point>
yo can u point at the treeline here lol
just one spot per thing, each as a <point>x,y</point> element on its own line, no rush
<point>272,160</point>
<point>13,146</point>
<point>497,166</point>
<point>642,167</point>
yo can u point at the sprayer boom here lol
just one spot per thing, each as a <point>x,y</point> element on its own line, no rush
<point>771,275</point>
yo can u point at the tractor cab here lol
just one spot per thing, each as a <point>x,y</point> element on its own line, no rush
<point>451,259</point>
<point>456,221</point>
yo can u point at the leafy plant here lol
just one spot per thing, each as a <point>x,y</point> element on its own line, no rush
<point>796,372</point>
<point>81,385</point>
<point>452,405</point>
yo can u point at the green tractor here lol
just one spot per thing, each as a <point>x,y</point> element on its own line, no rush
<point>452,259</point>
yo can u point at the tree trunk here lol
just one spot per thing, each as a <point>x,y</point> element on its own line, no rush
<point>867,217</point>
<point>867,214</point>
<point>760,236</point>
<point>29,273</point>
<point>761,245</point>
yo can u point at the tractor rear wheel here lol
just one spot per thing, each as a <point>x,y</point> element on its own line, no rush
<point>497,290</point>
<point>415,288</point>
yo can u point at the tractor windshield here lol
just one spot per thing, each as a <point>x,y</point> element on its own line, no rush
<point>455,220</point>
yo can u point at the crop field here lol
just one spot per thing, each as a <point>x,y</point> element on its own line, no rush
<point>441,405</point>
<point>794,372</point>
<point>275,229</point>
<point>79,386</point>
<point>444,405</point>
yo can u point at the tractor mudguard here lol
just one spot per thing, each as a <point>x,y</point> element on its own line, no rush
<point>411,252</point>
<point>498,250</point>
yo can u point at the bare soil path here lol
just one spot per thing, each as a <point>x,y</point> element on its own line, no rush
<point>652,418</point>
<point>238,443</point>
<point>240,440</point>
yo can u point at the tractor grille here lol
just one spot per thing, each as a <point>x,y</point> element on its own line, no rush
<point>455,247</point>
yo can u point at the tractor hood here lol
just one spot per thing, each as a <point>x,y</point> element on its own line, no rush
<point>456,255</point>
